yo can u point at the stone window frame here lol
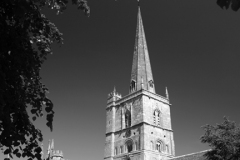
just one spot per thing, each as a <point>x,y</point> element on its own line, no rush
<point>126,107</point>
<point>127,142</point>
<point>128,118</point>
<point>151,83</point>
<point>121,149</point>
<point>157,117</point>
<point>167,149</point>
<point>133,85</point>
<point>160,145</point>
<point>136,145</point>
<point>152,145</point>
<point>115,151</point>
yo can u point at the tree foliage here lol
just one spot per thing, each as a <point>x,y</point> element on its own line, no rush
<point>26,36</point>
<point>224,140</point>
<point>235,4</point>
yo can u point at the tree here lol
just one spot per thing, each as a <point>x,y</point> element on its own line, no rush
<point>235,4</point>
<point>26,36</point>
<point>224,140</point>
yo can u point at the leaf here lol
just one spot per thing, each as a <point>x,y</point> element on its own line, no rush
<point>235,4</point>
<point>49,125</point>
<point>38,149</point>
<point>15,151</point>
<point>50,120</point>
<point>34,118</point>
<point>48,109</point>
<point>223,139</point>
<point>7,151</point>
<point>223,3</point>
<point>33,111</point>
<point>24,155</point>
<point>18,155</point>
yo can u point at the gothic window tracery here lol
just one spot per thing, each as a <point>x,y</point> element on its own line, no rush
<point>127,119</point>
<point>152,145</point>
<point>132,86</point>
<point>167,149</point>
<point>115,151</point>
<point>136,145</point>
<point>157,118</point>
<point>121,149</point>
<point>151,83</point>
<point>159,146</point>
<point>129,146</point>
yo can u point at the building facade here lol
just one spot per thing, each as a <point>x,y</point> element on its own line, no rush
<point>138,125</point>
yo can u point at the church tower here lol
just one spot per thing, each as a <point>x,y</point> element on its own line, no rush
<point>138,125</point>
<point>53,154</point>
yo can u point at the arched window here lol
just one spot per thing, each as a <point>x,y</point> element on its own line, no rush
<point>155,113</point>
<point>132,86</point>
<point>127,119</point>
<point>151,83</point>
<point>152,145</point>
<point>136,145</point>
<point>129,146</point>
<point>159,146</point>
<point>115,151</point>
<point>121,149</point>
<point>157,118</point>
<point>167,149</point>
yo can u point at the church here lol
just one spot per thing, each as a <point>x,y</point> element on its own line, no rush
<point>138,125</point>
<point>51,153</point>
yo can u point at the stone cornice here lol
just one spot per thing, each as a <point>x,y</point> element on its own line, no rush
<point>195,153</point>
<point>136,94</point>
<point>128,154</point>
<point>135,126</point>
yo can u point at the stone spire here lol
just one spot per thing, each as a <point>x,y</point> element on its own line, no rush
<point>141,76</point>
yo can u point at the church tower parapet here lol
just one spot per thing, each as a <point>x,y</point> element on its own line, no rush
<point>113,97</point>
<point>57,155</point>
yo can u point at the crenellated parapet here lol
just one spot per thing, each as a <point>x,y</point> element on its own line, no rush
<point>57,153</point>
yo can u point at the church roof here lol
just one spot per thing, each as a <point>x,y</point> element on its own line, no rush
<point>141,76</point>
<point>192,156</point>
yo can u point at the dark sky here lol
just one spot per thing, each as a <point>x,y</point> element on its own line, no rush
<point>194,51</point>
